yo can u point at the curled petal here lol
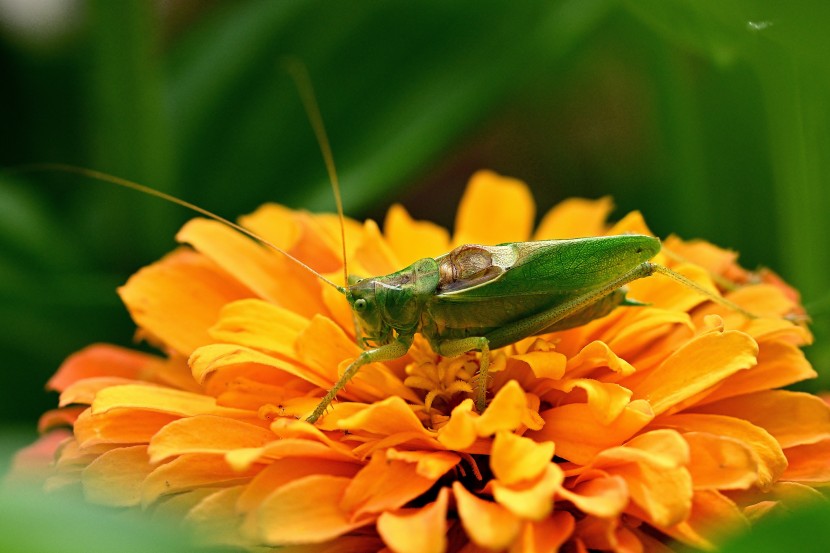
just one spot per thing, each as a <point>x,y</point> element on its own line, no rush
<point>793,418</point>
<point>530,500</point>
<point>771,459</point>
<point>417,530</point>
<point>460,431</point>
<point>488,524</point>
<point>505,412</point>
<point>188,472</point>
<point>155,291</point>
<point>514,458</point>
<point>101,360</point>
<point>545,535</point>
<point>306,510</point>
<point>696,367</point>
<point>598,494</point>
<point>808,463</point>
<point>387,483</point>
<point>720,462</point>
<point>206,434</point>
<point>579,436</point>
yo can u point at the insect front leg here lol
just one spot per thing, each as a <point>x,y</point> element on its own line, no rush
<point>387,352</point>
<point>453,348</point>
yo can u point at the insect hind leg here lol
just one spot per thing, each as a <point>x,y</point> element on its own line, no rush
<point>453,348</point>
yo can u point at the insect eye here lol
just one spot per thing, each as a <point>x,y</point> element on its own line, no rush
<point>360,304</point>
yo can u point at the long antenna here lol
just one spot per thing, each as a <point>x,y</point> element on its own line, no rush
<point>298,72</point>
<point>106,177</point>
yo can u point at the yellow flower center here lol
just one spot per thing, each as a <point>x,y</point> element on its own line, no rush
<point>442,379</point>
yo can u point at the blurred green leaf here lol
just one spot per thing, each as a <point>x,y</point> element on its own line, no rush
<point>805,530</point>
<point>709,117</point>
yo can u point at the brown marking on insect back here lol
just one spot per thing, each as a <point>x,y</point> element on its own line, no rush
<point>466,266</point>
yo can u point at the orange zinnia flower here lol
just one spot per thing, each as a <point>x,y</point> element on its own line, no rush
<point>650,426</point>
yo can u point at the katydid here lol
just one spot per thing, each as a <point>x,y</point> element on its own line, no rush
<point>476,297</point>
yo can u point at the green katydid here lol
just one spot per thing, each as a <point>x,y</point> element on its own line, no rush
<point>476,297</point>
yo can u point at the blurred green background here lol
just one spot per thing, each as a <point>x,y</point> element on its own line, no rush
<point>710,117</point>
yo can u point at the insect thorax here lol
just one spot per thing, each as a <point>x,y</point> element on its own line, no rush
<point>394,302</point>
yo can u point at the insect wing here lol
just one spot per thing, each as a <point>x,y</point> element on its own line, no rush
<point>554,267</point>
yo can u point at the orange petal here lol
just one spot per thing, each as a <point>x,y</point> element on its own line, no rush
<point>206,434</point>
<point>597,359</point>
<point>666,293</point>
<point>460,431</point>
<point>713,515</point>
<point>84,391</point>
<point>306,510</point>
<point>34,463</point>
<point>220,358</point>
<point>786,494</point>
<point>575,218</point>
<point>429,464</point>
<point>475,224</point>
<point>530,500</point>
<point>608,535</point>
<point>387,484</point>
<point>771,460</point>
<point>579,436</point>
<point>545,535</point>
<point>597,494</point>
<point>388,417</point>
<point>505,412</point>
<point>634,335</point>
<point>373,256</point>
<point>653,466</point>
<point>543,364</point>
<point>59,418</point>
<point>313,239</point>
<point>631,223</point>
<point>176,507</point>
<point>188,472</point>
<point>661,448</point>
<point>417,530</point>
<point>515,458</point>
<point>115,477</point>
<point>259,325</point>
<point>284,471</point>
<point>720,462</point>
<point>184,283</point>
<point>119,426</point>
<point>160,400</point>
<point>215,520</point>
<point>325,360</point>
<point>605,399</point>
<point>779,364</point>
<point>338,307</point>
<point>100,360</point>
<point>808,463</point>
<point>793,418</point>
<point>413,240</point>
<point>488,524</point>
<point>254,266</point>
<point>697,366</point>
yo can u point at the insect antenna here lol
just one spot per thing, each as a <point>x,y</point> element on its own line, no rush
<point>298,72</point>
<point>112,179</point>
<point>689,283</point>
